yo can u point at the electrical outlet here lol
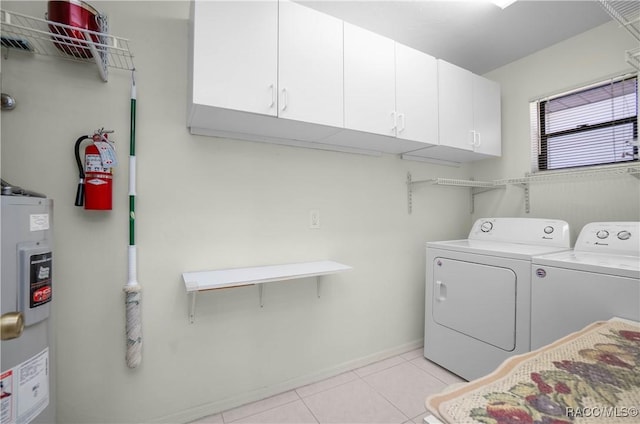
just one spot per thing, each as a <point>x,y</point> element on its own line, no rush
<point>314,218</point>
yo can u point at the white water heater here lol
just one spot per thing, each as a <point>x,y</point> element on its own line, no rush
<point>26,356</point>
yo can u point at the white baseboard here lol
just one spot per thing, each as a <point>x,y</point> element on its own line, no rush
<point>218,406</point>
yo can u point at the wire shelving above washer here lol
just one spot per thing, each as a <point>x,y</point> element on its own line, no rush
<point>48,38</point>
<point>478,187</point>
<point>627,14</point>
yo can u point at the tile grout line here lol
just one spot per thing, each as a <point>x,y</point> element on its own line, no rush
<point>383,396</point>
<point>429,374</point>
<point>436,377</point>
<point>310,411</point>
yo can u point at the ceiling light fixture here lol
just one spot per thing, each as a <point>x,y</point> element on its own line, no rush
<point>503,3</point>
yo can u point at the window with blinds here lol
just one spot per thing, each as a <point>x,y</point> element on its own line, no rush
<point>595,125</point>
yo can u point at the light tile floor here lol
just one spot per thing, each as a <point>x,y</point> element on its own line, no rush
<point>390,391</point>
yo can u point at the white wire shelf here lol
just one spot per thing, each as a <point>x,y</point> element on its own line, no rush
<point>478,187</point>
<point>460,183</point>
<point>626,13</point>
<point>552,176</point>
<point>48,38</point>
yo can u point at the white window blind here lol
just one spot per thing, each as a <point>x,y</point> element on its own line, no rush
<point>594,125</point>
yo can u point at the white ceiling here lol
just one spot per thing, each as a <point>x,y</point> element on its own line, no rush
<point>475,35</point>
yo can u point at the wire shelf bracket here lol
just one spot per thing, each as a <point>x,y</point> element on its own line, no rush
<point>633,58</point>
<point>47,38</point>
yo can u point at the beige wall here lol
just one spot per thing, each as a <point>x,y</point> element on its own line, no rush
<point>206,203</point>
<point>589,57</point>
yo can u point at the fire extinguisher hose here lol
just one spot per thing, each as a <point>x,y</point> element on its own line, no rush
<point>133,295</point>
<point>80,191</point>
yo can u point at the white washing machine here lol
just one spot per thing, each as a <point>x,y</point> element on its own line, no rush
<point>477,310</point>
<point>597,280</point>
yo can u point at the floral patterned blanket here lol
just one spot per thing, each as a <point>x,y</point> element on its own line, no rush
<point>591,376</point>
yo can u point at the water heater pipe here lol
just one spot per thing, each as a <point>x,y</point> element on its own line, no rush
<point>132,289</point>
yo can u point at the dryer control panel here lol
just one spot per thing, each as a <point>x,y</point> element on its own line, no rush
<point>614,238</point>
<point>547,232</point>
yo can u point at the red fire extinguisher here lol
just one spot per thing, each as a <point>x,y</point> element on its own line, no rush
<point>95,186</point>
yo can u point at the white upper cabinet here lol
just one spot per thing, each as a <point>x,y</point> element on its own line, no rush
<point>235,55</point>
<point>487,116</point>
<point>310,66</point>
<point>469,107</point>
<point>389,89</point>
<point>369,82</point>
<point>280,72</point>
<point>455,103</point>
<point>416,95</point>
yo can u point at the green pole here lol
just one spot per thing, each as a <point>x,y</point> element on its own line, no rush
<point>132,289</point>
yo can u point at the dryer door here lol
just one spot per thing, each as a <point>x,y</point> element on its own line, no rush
<point>475,299</point>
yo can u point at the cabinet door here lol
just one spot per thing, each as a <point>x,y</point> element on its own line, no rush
<point>455,91</point>
<point>369,81</point>
<point>487,116</point>
<point>235,53</point>
<point>416,95</point>
<point>310,64</point>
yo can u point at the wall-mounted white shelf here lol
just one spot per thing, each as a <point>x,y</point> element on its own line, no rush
<point>48,38</point>
<point>524,182</point>
<point>195,282</point>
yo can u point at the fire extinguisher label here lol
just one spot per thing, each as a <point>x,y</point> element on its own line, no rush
<point>96,181</point>
<point>93,163</point>
<point>107,153</point>
<point>40,279</point>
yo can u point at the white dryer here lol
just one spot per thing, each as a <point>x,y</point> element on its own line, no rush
<point>477,310</point>
<point>597,280</point>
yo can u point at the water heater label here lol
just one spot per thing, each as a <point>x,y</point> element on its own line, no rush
<point>40,279</point>
<point>25,389</point>
<point>39,222</point>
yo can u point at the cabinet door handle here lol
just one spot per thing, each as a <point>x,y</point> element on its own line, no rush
<point>478,141</point>
<point>472,142</point>
<point>273,96</point>
<point>402,122</point>
<point>394,118</point>
<point>285,99</point>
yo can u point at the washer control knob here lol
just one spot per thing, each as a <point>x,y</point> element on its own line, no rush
<point>624,235</point>
<point>486,226</point>
<point>602,234</point>
<point>548,229</point>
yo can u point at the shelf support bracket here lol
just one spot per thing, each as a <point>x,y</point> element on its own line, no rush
<point>527,196</point>
<point>409,193</point>
<point>260,294</point>
<point>192,307</point>
<point>475,191</point>
<point>318,286</point>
